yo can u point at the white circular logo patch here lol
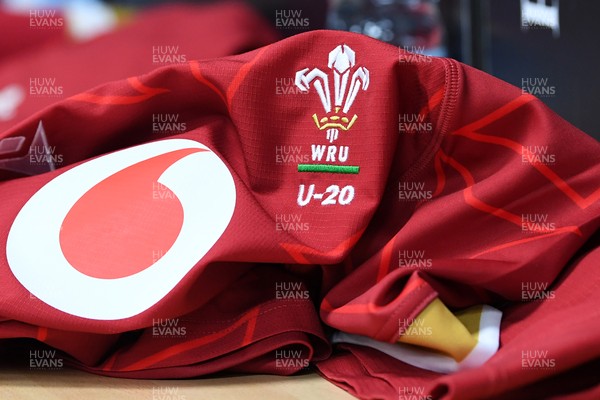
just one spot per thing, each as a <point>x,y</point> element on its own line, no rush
<point>111,237</point>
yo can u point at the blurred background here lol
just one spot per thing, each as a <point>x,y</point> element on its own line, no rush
<point>545,47</point>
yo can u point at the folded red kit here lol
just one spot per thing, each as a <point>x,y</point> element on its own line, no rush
<point>410,227</point>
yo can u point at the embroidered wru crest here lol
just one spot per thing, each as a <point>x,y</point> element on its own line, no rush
<point>347,82</point>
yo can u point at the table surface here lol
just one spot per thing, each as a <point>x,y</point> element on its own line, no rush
<point>68,384</point>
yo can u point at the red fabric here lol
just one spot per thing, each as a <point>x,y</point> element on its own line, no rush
<point>26,33</point>
<point>190,33</point>
<point>562,327</point>
<point>471,160</point>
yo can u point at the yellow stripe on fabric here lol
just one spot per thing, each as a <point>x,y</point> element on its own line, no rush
<point>471,318</point>
<point>436,328</point>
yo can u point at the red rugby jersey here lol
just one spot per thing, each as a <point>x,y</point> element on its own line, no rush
<point>229,214</point>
